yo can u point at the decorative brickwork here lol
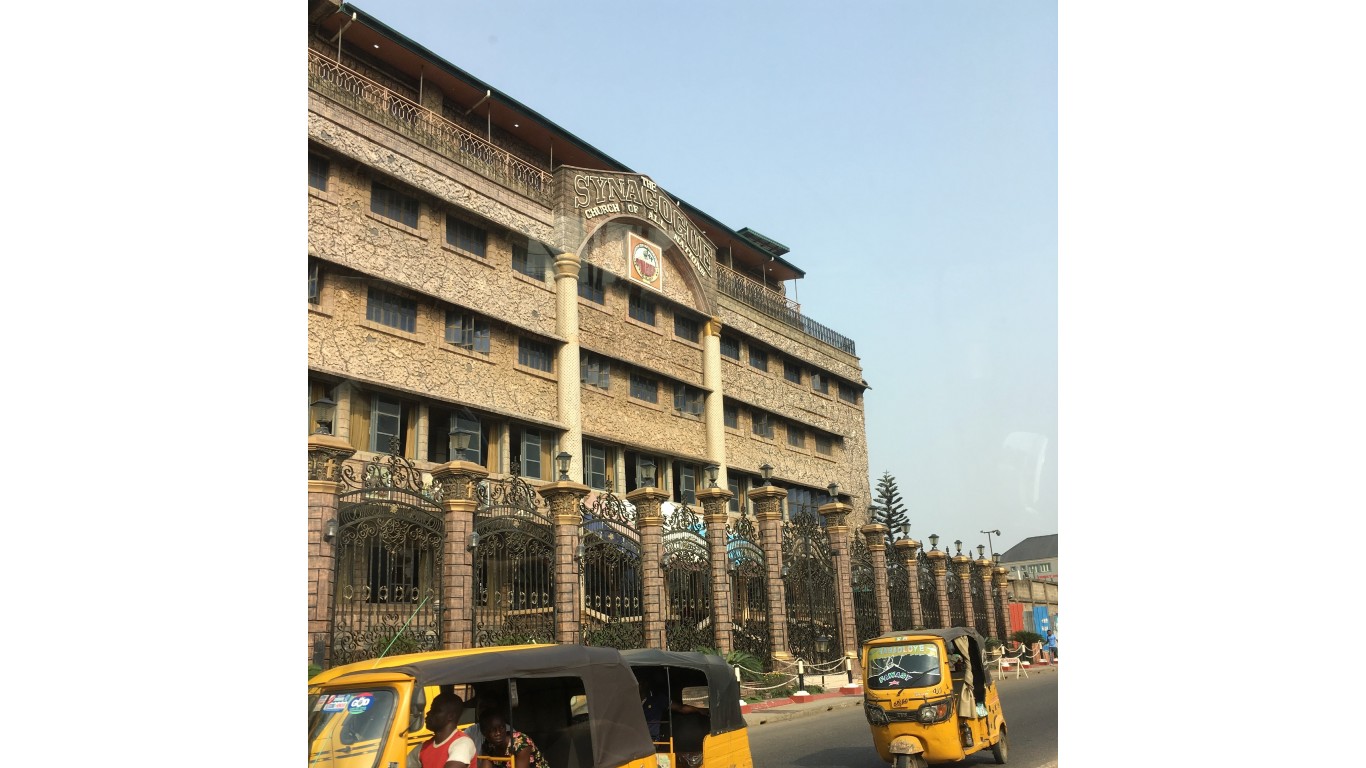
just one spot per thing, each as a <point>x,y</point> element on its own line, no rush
<point>835,514</point>
<point>457,481</point>
<point>875,534</point>
<point>768,509</point>
<point>650,521</point>
<point>563,499</point>
<point>940,565</point>
<point>906,550</point>
<point>714,501</point>
<point>982,572</point>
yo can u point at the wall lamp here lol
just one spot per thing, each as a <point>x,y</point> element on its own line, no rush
<point>712,469</point>
<point>834,489</point>
<point>562,461</point>
<point>822,643</point>
<point>934,541</point>
<point>647,474</point>
<point>474,541</point>
<point>766,472</point>
<point>459,443</point>
<point>331,533</point>
<point>321,410</point>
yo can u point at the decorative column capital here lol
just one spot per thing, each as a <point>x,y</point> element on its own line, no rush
<point>875,534</point>
<point>982,565</point>
<point>907,548</point>
<point>563,498</point>
<point>567,265</point>
<point>939,560</point>
<point>712,327</point>
<point>458,480</point>
<point>768,502</point>
<point>962,565</point>
<point>326,453</point>
<point>647,501</point>
<point>835,513</point>
<point>714,500</point>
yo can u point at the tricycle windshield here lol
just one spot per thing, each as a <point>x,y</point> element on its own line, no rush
<point>346,729</point>
<point>905,665</point>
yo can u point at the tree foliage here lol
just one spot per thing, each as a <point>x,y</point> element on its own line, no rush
<point>887,507</point>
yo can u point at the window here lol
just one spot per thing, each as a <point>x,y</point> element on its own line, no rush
<point>527,448</point>
<point>467,330</point>
<point>386,425</point>
<point>392,204</point>
<point>825,446</point>
<point>820,383</point>
<point>730,346</point>
<point>634,472</point>
<point>685,482</point>
<point>314,281</point>
<point>733,485</point>
<point>758,358</point>
<point>796,436</point>
<point>792,371</point>
<point>466,236</point>
<point>805,501</point>
<point>533,264</point>
<point>533,354</point>
<point>686,328</point>
<point>597,466</point>
<point>849,393</point>
<point>642,309</point>
<point>443,423</point>
<point>591,284</point>
<point>318,168</point>
<point>644,388</point>
<point>688,399</point>
<point>761,424</point>
<point>730,413</point>
<point>394,311</point>
<point>595,370</point>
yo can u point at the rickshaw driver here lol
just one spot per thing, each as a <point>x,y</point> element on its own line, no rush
<point>449,747</point>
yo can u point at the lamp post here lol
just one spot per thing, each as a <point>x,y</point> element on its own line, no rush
<point>459,442</point>
<point>712,470</point>
<point>647,474</point>
<point>562,461</point>
<point>989,533</point>
<point>321,413</point>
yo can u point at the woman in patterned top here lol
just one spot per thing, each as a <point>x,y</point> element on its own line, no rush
<point>502,741</point>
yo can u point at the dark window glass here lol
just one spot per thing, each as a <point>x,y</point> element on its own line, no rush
<point>533,354</point>
<point>685,482</point>
<point>761,424</point>
<point>688,399</point>
<point>642,309</point>
<point>392,204</point>
<point>824,445</point>
<point>466,236</point>
<point>591,284</point>
<point>796,436</point>
<point>386,423</point>
<point>849,393</point>
<point>595,370</point>
<point>532,264</point>
<point>468,330</point>
<point>730,346</point>
<point>730,412</point>
<point>686,328</point>
<point>758,358</point>
<point>317,171</point>
<point>393,311</point>
<point>394,574</point>
<point>314,283</point>
<point>820,383</point>
<point>530,456</point>
<point>595,466</point>
<point>469,425</point>
<point>733,485</point>
<point>644,388</point>
<point>792,371</point>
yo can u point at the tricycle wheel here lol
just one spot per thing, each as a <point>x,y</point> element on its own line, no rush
<point>910,761</point>
<point>998,750</point>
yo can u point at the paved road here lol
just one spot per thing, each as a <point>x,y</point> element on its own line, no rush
<point>840,738</point>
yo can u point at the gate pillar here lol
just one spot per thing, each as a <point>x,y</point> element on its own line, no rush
<point>905,549</point>
<point>325,456</point>
<point>962,570</point>
<point>714,501</point>
<point>651,522</point>
<point>939,564</point>
<point>835,514</point>
<point>768,502</point>
<point>875,535</point>
<point>981,570</point>
<point>998,574</point>
<point>563,498</point>
<point>458,481</point>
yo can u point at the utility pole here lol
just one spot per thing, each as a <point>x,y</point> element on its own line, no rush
<point>996,531</point>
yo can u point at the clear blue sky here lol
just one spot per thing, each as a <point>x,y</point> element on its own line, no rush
<point>906,152</point>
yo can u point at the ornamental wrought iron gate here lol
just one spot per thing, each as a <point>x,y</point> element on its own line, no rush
<point>613,612</point>
<point>514,573</point>
<point>979,603</point>
<point>867,625</point>
<point>748,590</point>
<point>899,590</point>
<point>1002,616</point>
<point>929,593</point>
<point>954,587</point>
<point>687,582</point>
<point>809,581</point>
<point>390,539</point>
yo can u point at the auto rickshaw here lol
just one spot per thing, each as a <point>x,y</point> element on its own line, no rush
<point>579,704</point>
<point>714,738</point>
<point>929,698</point>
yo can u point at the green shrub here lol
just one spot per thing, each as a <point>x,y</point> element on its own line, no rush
<point>1026,637</point>
<point>313,670</point>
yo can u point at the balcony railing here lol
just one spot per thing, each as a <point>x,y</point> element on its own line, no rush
<point>382,105</point>
<point>777,306</point>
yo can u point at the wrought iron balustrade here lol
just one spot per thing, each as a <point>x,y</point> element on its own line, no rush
<point>777,306</point>
<point>392,110</point>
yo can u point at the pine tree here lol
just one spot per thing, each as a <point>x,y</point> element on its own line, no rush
<point>888,509</point>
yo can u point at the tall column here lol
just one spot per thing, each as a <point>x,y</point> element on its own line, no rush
<point>962,569</point>
<point>651,524</point>
<point>768,502</point>
<point>875,534</point>
<point>835,513</point>
<point>981,570</point>
<point>567,358</point>
<point>998,575</point>
<point>563,498</point>
<point>714,407</point>
<point>905,549</point>
<point>458,481</point>
<point>940,566</point>
<point>714,502</point>
<point>325,456</point>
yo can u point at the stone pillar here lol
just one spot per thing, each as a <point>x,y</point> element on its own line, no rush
<point>939,563</point>
<point>714,502</point>
<point>835,513</point>
<point>567,358</point>
<point>651,523</point>
<point>962,569</point>
<point>563,499</point>
<point>982,572</point>
<point>714,407</point>
<point>768,502</point>
<point>325,456</point>
<point>458,481</point>
<point>998,574</point>
<point>875,534</point>
<point>906,549</point>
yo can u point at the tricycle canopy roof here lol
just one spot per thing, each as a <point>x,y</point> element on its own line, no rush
<point>616,720</point>
<point>723,697</point>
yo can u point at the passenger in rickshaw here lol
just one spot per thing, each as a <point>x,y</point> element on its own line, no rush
<point>501,740</point>
<point>449,747</point>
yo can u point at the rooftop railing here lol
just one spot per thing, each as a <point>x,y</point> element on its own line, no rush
<point>401,114</point>
<point>777,306</point>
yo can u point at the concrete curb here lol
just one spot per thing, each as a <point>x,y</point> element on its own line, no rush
<point>779,712</point>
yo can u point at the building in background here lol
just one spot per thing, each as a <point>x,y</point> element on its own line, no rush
<point>1035,558</point>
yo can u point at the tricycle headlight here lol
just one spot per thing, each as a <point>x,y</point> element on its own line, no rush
<point>935,711</point>
<point>874,713</point>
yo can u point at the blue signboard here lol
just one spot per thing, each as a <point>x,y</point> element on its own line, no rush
<point>1041,622</point>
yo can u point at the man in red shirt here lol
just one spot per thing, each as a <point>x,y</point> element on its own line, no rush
<point>449,747</point>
